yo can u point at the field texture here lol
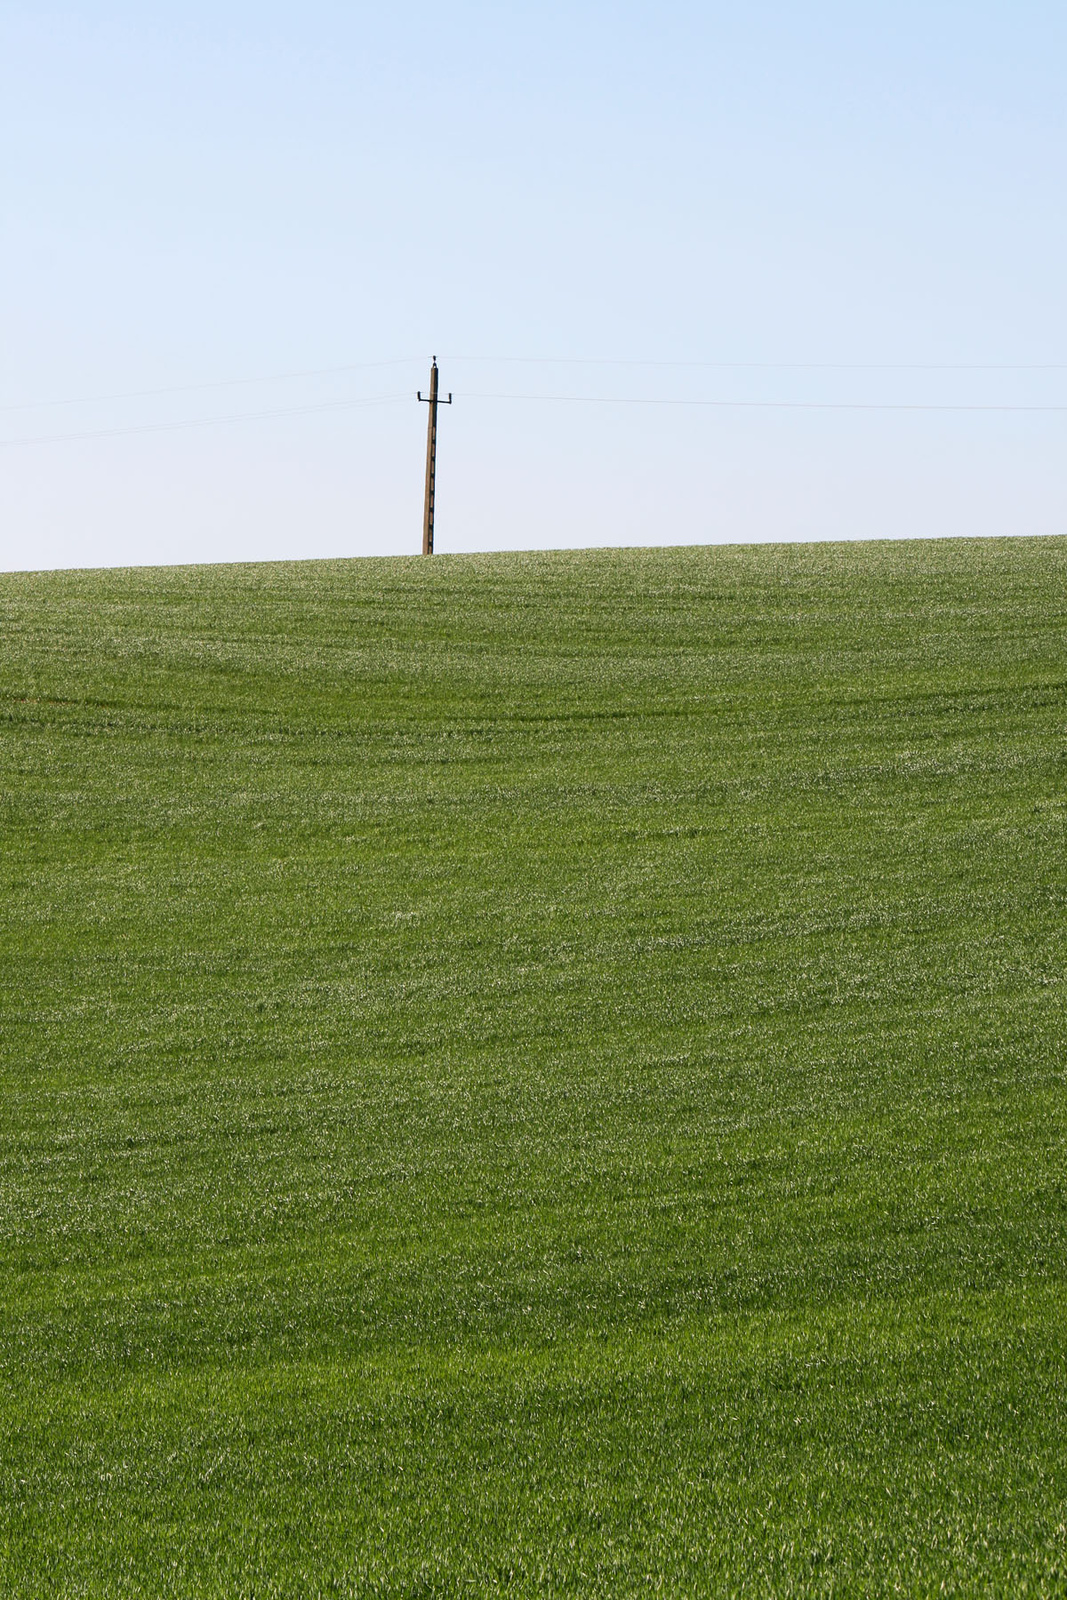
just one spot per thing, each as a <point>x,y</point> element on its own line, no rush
<point>539,1075</point>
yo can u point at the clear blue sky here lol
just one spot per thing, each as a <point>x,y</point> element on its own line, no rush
<point>822,194</point>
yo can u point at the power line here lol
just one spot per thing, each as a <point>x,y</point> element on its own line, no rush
<point>564,399</point>
<point>220,383</point>
<point>769,405</point>
<point>204,422</point>
<point>769,366</point>
<point>548,361</point>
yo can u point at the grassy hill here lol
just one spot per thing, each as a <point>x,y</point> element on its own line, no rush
<point>536,1074</point>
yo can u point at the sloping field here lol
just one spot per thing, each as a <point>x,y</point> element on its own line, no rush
<point>536,1074</point>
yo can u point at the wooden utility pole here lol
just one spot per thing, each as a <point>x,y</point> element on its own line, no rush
<point>432,401</point>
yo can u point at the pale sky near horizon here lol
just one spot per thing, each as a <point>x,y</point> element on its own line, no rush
<point>807,205</point>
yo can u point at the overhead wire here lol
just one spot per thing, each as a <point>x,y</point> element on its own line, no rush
<point>767,366</point>
<point>712,403</point>
<point>549,361</point>
<point>203,422</point>
<point>215,383</point>
<point>775,405</point>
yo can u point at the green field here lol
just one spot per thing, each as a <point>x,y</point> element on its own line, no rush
<point>536,1074</point>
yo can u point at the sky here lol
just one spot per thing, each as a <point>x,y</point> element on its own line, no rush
<point>694,273</point>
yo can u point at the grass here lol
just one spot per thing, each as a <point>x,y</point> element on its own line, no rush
<point>536,1074</point>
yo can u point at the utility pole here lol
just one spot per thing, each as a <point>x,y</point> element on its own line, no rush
<point>431,457</point>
